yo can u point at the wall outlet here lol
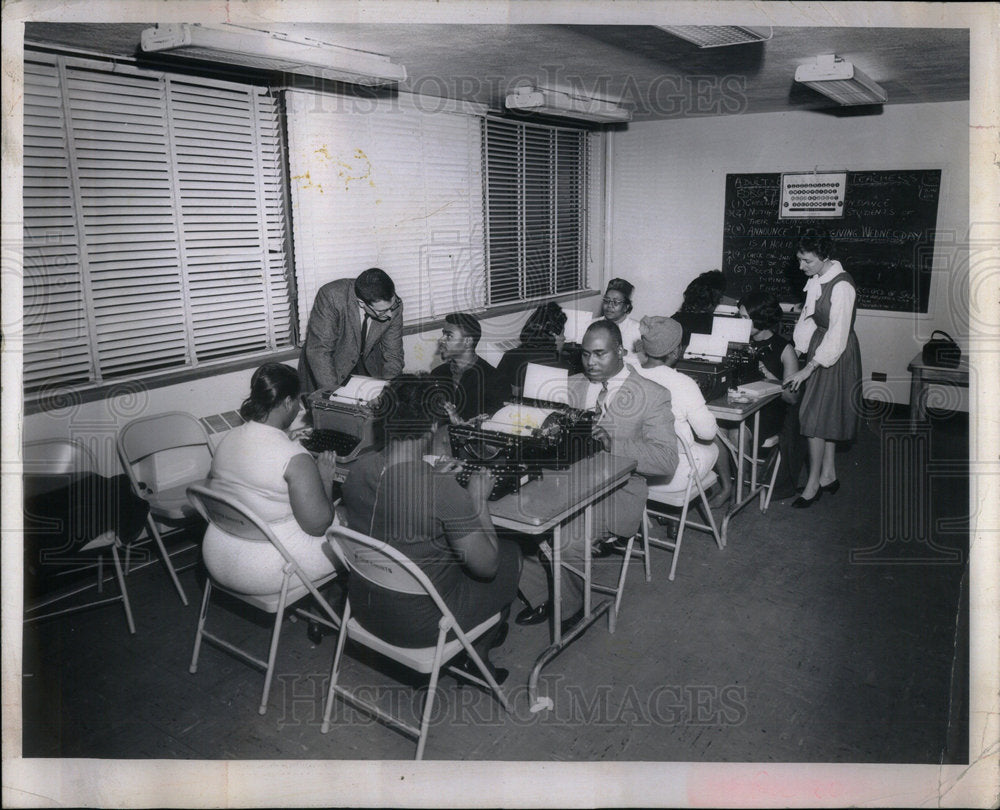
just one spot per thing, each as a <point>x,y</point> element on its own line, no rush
<point>878,376</point>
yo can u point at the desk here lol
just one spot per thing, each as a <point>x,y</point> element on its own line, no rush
<point>548,503</point>
<point>921,374</point>
<point>741,412</point>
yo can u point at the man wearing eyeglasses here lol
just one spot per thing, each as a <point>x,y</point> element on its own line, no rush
<point>355,327</point>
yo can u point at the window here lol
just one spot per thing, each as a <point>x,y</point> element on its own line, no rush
<point>393,183</point>
<point>154,224</point>
<point>537,179</point>
<point>398,183</point>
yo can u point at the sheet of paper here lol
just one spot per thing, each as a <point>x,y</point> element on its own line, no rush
<point>546,383</point>
<point>360,389</point>
<point>517,420</point>
<point>736,330</point>
<point>577,321</point>
<point>706,347</point>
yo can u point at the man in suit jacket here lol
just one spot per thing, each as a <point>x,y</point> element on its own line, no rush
<point>636,421</point>
<point>355,327</point>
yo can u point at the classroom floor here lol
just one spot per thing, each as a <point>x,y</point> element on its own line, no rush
<point>805,640</point>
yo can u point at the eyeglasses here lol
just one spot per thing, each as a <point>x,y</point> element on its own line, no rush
<point>383,314</point>
<point>613,302</point>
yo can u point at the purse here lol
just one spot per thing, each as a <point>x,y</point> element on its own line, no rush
<point>941,351</point>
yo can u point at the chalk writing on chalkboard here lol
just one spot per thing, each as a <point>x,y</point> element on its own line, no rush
<point>885,238</point>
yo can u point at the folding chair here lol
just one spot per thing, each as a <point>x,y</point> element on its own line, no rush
<point>66,457</point>
<point>671,495</point>
<point>163,455</point>
<point>235,519</point>
<point>384,566</point>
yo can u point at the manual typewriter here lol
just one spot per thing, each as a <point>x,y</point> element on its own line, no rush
<point>718,363</point>
<point>522,440</point>
<point>342,419</point>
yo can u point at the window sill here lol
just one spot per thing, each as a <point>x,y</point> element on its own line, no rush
<point>66,396</point>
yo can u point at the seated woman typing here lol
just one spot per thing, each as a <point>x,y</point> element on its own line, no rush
<point>778,419</point>
<point>542,340</point>
<point>260,466</point>
<point>396,496</point>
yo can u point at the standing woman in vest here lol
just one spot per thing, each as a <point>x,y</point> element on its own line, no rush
<point>831,377</point>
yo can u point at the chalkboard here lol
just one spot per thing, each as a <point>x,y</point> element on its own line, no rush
<point>885,238</point>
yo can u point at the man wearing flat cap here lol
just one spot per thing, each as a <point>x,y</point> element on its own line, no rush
<point>693,422</point>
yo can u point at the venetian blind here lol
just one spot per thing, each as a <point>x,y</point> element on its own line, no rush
<point>395,184</point>
<point>537,182</point>
<point>153,222</point>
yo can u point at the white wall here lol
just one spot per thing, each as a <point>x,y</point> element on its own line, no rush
<point>668,181</point>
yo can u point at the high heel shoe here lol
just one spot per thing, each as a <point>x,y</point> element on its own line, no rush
<point>832,487</point>
<point>805,503</point>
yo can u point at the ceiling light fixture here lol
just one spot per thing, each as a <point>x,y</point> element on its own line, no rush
<point>566,105</point>
<point>270,51</point>
<point>840,80</point>
<point>718,36</point>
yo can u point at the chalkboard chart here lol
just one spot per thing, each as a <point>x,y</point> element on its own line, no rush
<point>885,238</point>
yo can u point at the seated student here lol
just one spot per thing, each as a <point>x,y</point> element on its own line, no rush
<point>277,478</point>
<point>777,363</point>
<point>615,307</point>
<point>716,279</point>
<point>474,382</point>
<point>541,343</point>
<point>634,420</point>
<point>661,343</point>
<point>392,494</point>
<point>697,312</point>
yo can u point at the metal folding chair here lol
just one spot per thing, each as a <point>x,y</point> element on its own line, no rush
<point>384,566</point>
<point>163,455</point>
<point>234,518</point>
<point>670,494</point>
<point>58,457</point>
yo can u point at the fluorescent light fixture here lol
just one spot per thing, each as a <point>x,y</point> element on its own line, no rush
<point>718,36</point>
<point>270,51</point>
<point>566,105</point>
<point>840,80</point>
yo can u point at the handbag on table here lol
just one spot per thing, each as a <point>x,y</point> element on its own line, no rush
<point>942,351</point>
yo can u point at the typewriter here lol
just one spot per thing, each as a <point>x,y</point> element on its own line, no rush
<point>523,439</point>
<point>718,362</point>
<point>342,419</point>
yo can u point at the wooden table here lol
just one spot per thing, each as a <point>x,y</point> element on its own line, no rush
<point>921,375</point>
<point>547,504</point>
<point>740,412</point>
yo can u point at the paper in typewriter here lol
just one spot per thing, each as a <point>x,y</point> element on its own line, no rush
<point>517,420</point>
<point>707,347</point>
<point>577,321</point>
<point>735,330</point>
<point>546,383</point>
<point>359,389</point>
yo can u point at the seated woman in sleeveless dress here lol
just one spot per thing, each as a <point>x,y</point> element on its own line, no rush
<point>260,466</point>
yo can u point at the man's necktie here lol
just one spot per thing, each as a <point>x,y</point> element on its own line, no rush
<point>602,397</point>
<point>364,333</point>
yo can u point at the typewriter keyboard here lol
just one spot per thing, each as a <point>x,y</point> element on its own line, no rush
<point>318,441</point>
<point>507,478</point>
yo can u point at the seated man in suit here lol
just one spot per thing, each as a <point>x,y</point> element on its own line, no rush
<point>635,421</point>
<point>355,327</point>
<point>474,381</point>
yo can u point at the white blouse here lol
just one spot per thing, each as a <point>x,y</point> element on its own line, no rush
<point>841,306</point>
